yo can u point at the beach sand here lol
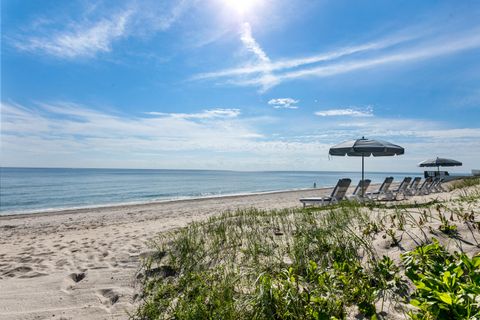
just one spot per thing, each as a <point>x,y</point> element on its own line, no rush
<point>81,264</point>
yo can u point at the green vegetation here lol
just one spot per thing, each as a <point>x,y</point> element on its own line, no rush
<point>464,183</point>
<point>447,286</point>
<point>316,263</point>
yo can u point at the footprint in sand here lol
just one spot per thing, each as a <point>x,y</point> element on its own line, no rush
<point>71,280</point>
<point>23,272</point>
<point>61,262</point>
<point>77,277</point>
<point>33,274</point>
<point>108,297</point>
<point>18,271</point>
<point>159,272</point>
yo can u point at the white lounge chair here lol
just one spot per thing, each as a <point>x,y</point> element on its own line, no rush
<point>338,194</point>
<point>413,187</point>
<point>424,188</point>
<point>436,185</point>
<point>393,194</point>
<point>357,193</point>
<point>382,190</point>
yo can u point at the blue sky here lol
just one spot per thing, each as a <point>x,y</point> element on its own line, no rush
<point>245,85</point>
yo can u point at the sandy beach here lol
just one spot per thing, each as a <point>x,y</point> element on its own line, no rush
<point>81,264</point>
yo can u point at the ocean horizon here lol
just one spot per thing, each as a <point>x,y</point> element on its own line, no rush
<point>31,190</point>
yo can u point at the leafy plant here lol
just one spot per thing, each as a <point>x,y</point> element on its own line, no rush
<point>449,229</point>
<point>388,276</point>
<point>321,294</point>
<point>446,227</point>
<point>447,286</point>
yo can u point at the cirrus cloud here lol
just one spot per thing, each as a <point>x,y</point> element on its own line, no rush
<point>393,50</point>
<point>349,112</point>
<point>95,31</point>
<point>82,41</point>
<point>205,114</point>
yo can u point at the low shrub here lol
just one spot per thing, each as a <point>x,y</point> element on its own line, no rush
<point>446,286</point>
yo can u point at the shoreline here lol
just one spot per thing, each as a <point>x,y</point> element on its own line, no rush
<point>73,210</point>
<point>7,214</point>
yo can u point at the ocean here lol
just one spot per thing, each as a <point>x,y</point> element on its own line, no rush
<point>27,190</point>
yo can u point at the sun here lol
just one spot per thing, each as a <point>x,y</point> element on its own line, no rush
<point>242,7</point>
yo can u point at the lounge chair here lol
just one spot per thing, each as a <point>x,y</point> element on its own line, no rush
<point>382,190</point>
<point>439,185</point>
<point>393,194</point>
<point>436,185</point>
<point>424,188</point>
<point>413,187</point>
<point>338,194</point>
<point>357,193</point>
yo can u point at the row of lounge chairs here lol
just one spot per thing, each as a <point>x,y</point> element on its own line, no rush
<point>408,187</point>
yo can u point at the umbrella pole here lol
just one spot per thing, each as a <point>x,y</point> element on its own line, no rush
<point>363,187</point>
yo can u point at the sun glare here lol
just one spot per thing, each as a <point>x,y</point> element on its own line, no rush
<point>242,6</point>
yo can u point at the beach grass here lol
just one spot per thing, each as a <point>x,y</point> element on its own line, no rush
<point>464,183</point>
<point>314,263</point>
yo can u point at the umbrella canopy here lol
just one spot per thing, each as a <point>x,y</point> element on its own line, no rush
<point>440,162</point>
<point>366,148</point>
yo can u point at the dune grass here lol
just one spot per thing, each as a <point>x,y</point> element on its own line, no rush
<point>464,183</point>
<point>317,263</point>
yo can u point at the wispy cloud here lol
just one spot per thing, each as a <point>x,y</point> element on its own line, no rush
<point>286,64</point>
<point>283,103</point>
<point>265,76</point>
<point>413,54</point>
<point>349,111</point>
<point>153,15</point>
<point>393,50</point>
<point>82,41</point>
<point>91,33</point>
<point>251,44</point>
<point>212,129</point>
<point>206,114</point>
<point>68,134</point>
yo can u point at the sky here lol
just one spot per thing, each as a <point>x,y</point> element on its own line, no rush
<point>238,84</point>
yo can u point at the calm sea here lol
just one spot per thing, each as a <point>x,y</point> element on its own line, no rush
<point>25,190</point>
